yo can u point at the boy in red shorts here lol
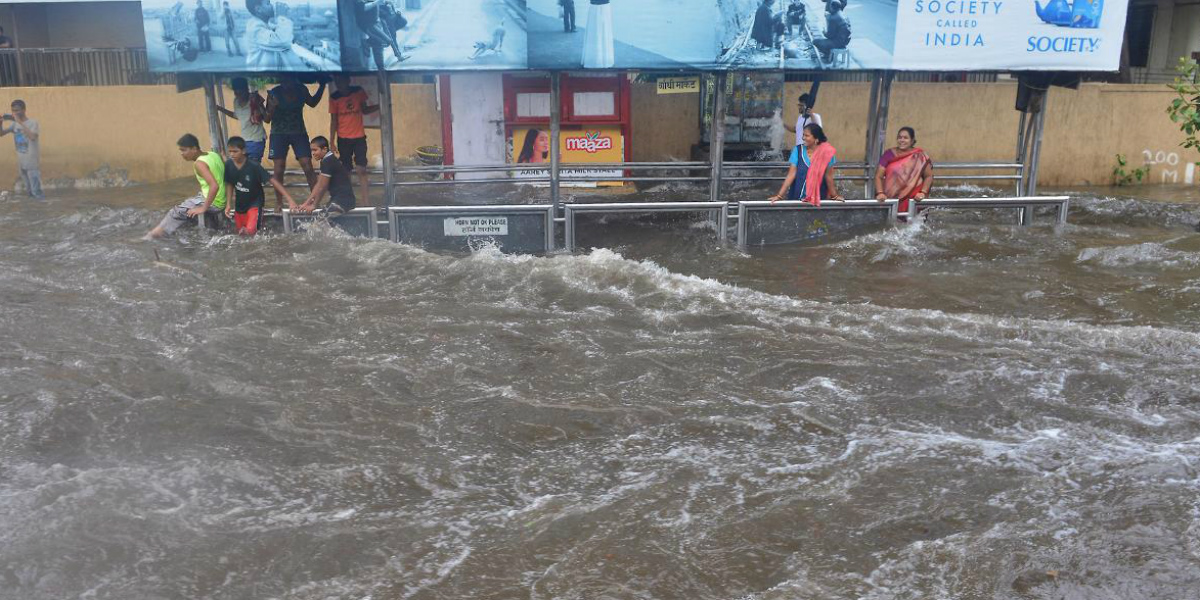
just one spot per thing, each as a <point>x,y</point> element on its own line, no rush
<point>244,181</point>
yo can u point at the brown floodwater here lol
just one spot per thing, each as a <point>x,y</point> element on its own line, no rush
<point>959,408</point>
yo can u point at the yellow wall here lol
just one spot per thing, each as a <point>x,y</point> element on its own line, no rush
<point>1085,128</point>
<point>134,128</point>
<point>664,126</point>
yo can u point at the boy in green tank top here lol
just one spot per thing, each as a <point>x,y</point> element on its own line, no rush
<point>209,169</point>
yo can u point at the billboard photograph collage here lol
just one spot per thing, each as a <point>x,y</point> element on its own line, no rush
<point>508,35</point>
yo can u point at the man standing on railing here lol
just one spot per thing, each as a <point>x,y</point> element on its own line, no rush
<point>29,151</point>
<point>5,41</point>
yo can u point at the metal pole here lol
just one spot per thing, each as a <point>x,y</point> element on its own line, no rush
<point>555,133</point>
<point>872,111</point>
<point>716,148</point>
<point>17,44</point>
<point>386,139</point>
<point>214,124</point>
<point>220,92</point>
<point>1035,152</point>
<point>1020,159</point>
<point>1021,137</point>
<point>875,147</point>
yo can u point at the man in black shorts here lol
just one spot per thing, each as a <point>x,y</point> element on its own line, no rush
<point>347,106</point>
<point>334,179</point>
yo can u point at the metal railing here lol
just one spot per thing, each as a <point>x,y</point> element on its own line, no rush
<point>847,171</point>
<point>1025,206</point>
<point>720,208</point>
<point>52,67</point>
<point>536,177</point>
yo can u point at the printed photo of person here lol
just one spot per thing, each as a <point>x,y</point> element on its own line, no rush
<point>258,35</point>
<point>535,148</point>
<point>616,34</point>
<point>824,34</point>
<point>712,34</point>
<point>433,34</point>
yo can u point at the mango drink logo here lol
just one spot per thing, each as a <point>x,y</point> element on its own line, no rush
<point>1082,14</point>
<point>589,142</point>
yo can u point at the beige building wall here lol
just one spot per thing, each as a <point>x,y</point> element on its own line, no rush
<point>134,128</point>
<point>962,122</point>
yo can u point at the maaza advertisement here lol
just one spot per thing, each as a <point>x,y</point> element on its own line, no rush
<point>579,145</point>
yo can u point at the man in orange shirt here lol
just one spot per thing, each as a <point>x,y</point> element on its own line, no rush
<point>347,106</point>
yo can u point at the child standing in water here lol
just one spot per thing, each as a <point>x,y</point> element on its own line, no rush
<point>244,182</point>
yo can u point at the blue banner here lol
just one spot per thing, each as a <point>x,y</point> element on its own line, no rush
<point>738,35</point>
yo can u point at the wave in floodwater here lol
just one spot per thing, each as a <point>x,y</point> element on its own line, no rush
<point>959,409</point>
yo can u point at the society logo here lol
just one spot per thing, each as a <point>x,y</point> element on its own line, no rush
<point>1083,14</point>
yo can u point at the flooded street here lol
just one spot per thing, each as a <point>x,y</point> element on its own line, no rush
<point>960,408</point>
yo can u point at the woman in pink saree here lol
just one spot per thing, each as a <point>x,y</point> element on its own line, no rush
<point>905,172</point>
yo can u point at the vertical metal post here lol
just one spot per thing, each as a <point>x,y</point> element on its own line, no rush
<point>387,140</point>
<point>214,124</point>
<point>876,145</point>
<point>1021,150</point>
<point>555,134</point>
<point>17,44</point>
<point>1021,137</point>
<point>220,95</point>
<point>716,148</point>
<point>869,150</point>
<point>1035,141</point>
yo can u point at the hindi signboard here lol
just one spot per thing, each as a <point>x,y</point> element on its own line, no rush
<point>678,85</point>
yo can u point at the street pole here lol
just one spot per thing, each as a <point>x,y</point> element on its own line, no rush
<point>214,124</point>
<point>1035,152</point>
<point>387,140</point>
<point>555,132</point>
<point>879,126</point>
<point>716,149</point>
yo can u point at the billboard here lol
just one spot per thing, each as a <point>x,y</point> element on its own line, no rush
<point>710,34</point>
<point>241,35</point>
<point>737,35</point>
<point>433,35</point>
<point>1005,35</point>
<point>577,145</point>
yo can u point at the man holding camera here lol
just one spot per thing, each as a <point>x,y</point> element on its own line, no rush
<point>29,152</point>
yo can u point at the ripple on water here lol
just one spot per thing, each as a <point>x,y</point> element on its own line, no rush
<point>927,411</point>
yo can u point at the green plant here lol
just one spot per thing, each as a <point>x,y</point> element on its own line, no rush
<point>1123,176</point>
<point>1185,110</point>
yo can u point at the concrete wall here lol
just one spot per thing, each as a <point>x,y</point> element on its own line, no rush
<point>135,128</point>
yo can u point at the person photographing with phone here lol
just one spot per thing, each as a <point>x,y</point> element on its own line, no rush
<point>25,133</point>
<point>806,117</point>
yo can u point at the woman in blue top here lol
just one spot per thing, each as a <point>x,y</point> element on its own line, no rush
<point>812,160</point>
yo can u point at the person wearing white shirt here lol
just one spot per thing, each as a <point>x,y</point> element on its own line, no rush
<point>805,117</point>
